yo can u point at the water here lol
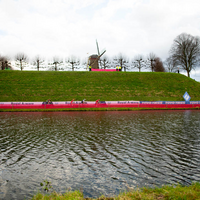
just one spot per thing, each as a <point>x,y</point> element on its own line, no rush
<point>97,152</point>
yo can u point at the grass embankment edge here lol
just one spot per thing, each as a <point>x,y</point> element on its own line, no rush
<point>92,109</point>
<point>166,192</point>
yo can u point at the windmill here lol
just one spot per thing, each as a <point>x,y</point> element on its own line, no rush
<point>93,59</point>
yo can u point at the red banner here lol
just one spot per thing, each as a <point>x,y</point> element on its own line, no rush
<point>97,104</point>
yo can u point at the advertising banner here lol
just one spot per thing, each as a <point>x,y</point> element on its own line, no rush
<point>98,103</point>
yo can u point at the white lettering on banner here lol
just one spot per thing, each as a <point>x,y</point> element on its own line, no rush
<point>151,102</point>
<point>169,102</point>
<point>175,102</point>
<point>146,102</point>
<point>157,102</point>
<point>194,102</point>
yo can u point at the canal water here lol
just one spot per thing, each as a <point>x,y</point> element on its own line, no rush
<point>100,153</point>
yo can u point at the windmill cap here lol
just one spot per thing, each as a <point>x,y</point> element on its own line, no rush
<point>94,56</point>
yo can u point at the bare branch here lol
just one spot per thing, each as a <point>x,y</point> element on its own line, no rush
<point>54,64</point>
<point>105,62</point>
<point>139,62</point>
<point>38,61</point>
<point>122,61</point>
<point>171,64</point>
<point>22,59</point>
<point>74,62</point>
<point>151,61</point>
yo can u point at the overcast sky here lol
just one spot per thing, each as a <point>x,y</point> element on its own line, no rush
<point>70,27</point>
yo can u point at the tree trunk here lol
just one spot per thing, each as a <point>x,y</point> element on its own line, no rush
<point>21,65</point>
<point>188,73</point>
<point>38,65</point>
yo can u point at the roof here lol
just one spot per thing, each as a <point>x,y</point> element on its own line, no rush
<point>94,56</point>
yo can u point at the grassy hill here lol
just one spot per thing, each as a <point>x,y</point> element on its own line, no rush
<point>65,86</point>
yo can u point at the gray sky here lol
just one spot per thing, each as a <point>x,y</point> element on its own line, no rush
<point>70,27</point>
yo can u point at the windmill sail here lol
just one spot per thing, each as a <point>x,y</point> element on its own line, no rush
<point>97,48</point>
<point>102,53</point>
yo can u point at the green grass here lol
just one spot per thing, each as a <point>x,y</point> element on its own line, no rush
<point>179,192</point>
<point>76,195</point>
<point>110,86</point>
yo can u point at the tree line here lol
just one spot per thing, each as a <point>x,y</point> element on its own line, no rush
<point>184,55</point>
<point>152,62</point>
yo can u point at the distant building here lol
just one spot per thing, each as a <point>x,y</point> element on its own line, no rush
<point>93,61</point>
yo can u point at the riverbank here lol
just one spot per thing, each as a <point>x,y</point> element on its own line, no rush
<point>29,86</point>
<point>191,192</point>
<point>93,109</point>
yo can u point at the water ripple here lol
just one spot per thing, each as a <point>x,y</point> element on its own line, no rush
<point>100,152</point>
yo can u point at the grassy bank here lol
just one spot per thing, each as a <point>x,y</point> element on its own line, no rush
<point>91,109</point>
<point>63,86</point>
<point>179,192</point>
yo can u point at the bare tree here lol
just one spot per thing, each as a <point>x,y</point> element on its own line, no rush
<point>171,64</point>
<point>104,62</point>
<point>158,67</point>
<point>55,63</point>
<point>22,59</point>
<point>74,62</point>
<point>150,63</point>
<point>84,63</point>
<point>139,62</point>
<point>185,51</point>
<point>38,61</point>
<point>122,61</point>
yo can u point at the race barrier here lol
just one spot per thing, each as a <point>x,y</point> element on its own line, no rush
<point>100,104</point>
<point>103,70</point>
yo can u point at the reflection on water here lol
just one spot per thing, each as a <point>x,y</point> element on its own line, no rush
<point>100,152</point>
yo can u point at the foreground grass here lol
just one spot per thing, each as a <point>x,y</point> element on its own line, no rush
<point>179,192</point>
<point>109,86</point>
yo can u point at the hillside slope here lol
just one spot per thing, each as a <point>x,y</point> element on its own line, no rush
<point>63,86</point>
